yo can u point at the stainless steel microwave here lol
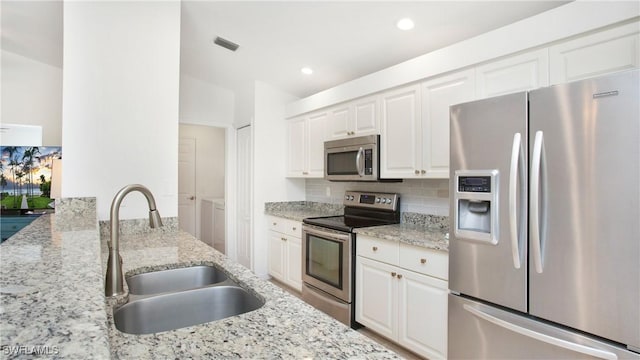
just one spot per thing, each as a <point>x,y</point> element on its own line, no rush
<point>352,159</point>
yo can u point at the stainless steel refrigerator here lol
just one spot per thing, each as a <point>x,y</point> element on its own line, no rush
<point>544,255</point>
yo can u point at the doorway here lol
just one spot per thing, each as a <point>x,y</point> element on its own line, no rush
<point>201,174</point>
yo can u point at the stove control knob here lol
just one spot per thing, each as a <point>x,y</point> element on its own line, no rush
<point>351,197</point>
<point>388,201</point>
<point>378,200</point>
<point>346,197</point>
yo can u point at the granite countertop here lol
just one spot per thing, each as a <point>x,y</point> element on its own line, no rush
<point>51,292</point>
<point>432,237</point>
<point>428,231</point>
<point>52,297</point>
<point>298,210</point>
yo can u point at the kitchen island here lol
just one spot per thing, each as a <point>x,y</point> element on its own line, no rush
<point>52,300</point>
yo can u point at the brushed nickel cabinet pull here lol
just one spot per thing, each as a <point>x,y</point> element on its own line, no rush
<point>399,276</point>
<point>423,261</point>
<point>375,248</point>
<point>274,224</point>
<point>423,172</point>
<point>393,274</point>
<point>294,228</point>
<point>417,172</point>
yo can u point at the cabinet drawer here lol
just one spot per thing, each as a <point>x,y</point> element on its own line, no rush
<point>425,261</point>
<point>377,249</point>
<point>275,223</point>
<point>291,227</point>
<point>285,226</point>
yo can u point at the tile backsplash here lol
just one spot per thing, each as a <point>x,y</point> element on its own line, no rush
<point>429,196</point>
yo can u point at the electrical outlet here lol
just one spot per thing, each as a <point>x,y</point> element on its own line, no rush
<point>328,191</point>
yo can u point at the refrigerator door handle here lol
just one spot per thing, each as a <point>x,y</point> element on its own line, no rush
<point>513,203</point>
<point>586,350</point>
<point>535,201</point>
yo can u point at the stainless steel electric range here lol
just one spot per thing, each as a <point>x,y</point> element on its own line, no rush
<point>329,251</point>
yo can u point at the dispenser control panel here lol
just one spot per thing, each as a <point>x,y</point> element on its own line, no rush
<point>474,184</point>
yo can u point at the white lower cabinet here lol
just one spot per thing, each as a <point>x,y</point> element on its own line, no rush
<point>285,251</point>
<point>405,306</point>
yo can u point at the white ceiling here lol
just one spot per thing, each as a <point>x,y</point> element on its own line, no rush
<point>340,40</point>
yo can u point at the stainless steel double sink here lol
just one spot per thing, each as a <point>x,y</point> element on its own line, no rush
<point>172,299</point>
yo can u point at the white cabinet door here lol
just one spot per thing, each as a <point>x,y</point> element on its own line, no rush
<point>365,116</point>
<point>305,148</point>
<point>376,296</point>
<point>401,134</point>
<point>516,73</point>
<point>339,122</point>
<point>437,95</point>
<point>276,255</point>
<point>294,262</point>
<point>594,55</point>
<point>422,303</point>
<point>296,149</point>
<point>316,134</point>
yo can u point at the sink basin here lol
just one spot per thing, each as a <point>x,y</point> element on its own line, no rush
<point>174,280</point>
<point>177,310</point>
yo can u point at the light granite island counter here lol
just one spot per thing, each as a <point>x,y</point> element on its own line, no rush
<point>285,327</point>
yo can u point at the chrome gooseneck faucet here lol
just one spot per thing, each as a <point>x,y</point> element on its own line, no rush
<point>114,278</point>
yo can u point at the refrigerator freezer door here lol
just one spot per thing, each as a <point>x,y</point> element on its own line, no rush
<point>491,136</point>
<point>585,206</point>
<point>478,331</point>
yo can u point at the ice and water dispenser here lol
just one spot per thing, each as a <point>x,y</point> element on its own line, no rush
<point>476,205</point>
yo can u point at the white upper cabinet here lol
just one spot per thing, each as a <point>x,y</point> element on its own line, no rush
<point>597,54</point>
<point>339,122</point>
<point>513,74</point>
<point>401,136</point>
<point>415,126</point>
<point>296,143</point>
<point>437,95</point>
<point>316,135</point>
<point>366,116</point>
<point>356,118</point>
<point>305,140</point>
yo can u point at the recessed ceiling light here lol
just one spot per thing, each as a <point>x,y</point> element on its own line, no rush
<point>306,71</point>
<point>405,24</point>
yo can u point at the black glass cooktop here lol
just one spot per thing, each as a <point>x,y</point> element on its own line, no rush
<point>345,223</point>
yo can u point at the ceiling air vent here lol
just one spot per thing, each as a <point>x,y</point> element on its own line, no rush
<point>226,43</point>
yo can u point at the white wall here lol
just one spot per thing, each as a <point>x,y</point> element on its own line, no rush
<point>120,102</point>
<point>203,103</point>
<point>210,163</point>
<point>32,95</point>
<point>559,23</point>
<point>269,165</point>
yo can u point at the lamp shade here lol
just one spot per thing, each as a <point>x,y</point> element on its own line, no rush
<point>56,179</point>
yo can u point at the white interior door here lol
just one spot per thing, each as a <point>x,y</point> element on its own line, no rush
<point>187,185</point>
<point>244,197</point>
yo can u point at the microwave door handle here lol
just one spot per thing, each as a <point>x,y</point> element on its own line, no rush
<point>360,162</point>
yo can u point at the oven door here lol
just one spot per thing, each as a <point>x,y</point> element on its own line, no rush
<point>351,163</point>
<point>327,260</point>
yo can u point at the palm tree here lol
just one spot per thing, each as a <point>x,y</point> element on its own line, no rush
<point>13,163</point>
<point>27,161</point>
<point>3,181</point>
<point>19,176</point>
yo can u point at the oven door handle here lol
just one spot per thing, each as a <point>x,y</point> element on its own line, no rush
<point>342,237</point>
